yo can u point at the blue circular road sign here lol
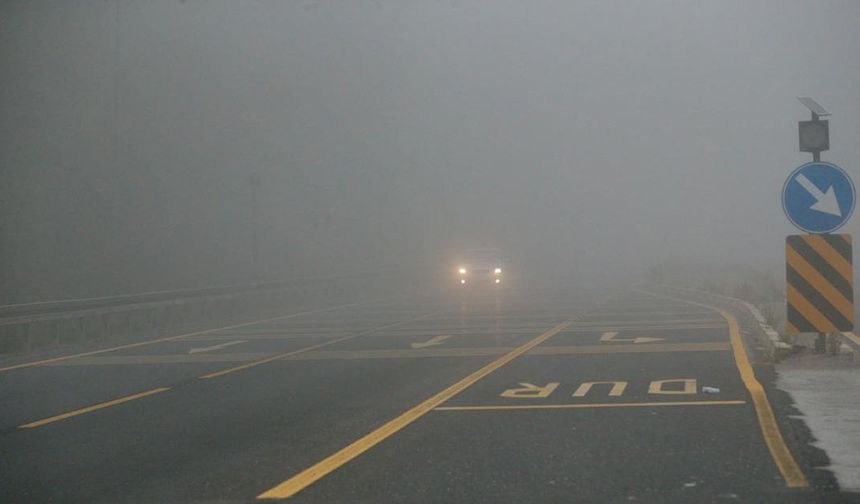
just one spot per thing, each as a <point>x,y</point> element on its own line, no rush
<point>818,197</point>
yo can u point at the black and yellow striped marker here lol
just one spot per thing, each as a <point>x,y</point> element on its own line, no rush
<point>819,283</point>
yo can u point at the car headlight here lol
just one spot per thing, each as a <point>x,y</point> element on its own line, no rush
<point>462,271</point>
<point>497,271</point>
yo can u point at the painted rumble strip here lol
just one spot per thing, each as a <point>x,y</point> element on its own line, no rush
<point>94,407</point>
<point>586,405</point>
<point>779,451</point>
<point>317,471</point>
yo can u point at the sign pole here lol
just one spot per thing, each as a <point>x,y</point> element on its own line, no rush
<point>818,198</point>
<point>816,154</point>
<point>821,339</point>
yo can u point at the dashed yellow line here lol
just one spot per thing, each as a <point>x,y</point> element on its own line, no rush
<point>503,407</point>
<point>779,451</point>
<point>312,474</point>
<point>94,407</point>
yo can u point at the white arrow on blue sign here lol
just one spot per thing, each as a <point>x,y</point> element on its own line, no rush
<point>818,197</point>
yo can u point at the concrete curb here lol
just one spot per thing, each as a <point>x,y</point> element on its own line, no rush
<point>850,340</point>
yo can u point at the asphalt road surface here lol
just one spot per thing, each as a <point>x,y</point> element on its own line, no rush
<point>515,396</point>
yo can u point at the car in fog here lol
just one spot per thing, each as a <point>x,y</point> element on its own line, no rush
<point>480,267</point>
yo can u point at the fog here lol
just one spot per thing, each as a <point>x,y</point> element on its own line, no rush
<point>584,140</point>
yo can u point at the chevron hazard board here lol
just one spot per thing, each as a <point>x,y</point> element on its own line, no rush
<point>819,286</point>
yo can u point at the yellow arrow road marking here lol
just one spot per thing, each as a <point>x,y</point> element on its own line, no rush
<point>610,337</point>
<point>435,340</point>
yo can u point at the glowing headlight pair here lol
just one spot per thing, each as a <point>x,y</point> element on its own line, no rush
<point>462,271</point>
<point>497,271</point>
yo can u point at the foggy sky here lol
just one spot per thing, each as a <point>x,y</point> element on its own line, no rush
<point>582,138</point>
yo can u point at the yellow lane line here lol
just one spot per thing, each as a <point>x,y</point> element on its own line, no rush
<point>310,475</point>
<point>585,405</point>
<point>312,347</point>
<point>170,338</point>
<point>94,407</point>
<point>779,451</point>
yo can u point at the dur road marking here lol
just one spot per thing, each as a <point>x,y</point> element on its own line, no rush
<point>530,391</point>
<point>312,474</point>
<point>610,337</point>
<point>779,451</point>
<point>94,407</point>
<point>665,386</point>
<point>617,389</point>
<point>503,407</point>
<point>658,386</point>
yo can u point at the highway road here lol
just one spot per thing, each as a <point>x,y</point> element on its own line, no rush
<point>516,396</point>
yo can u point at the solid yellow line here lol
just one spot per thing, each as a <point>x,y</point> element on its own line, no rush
<point>585,406</point>
<point>94,407</point>
<point>779,451</point>
<point>310,475</point>
<point>769,427</point>
<point>169,338</point>
<point>820,284</point>
<point>312,347</point>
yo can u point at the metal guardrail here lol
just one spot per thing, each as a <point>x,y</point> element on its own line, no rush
<point>17,313</point>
